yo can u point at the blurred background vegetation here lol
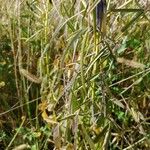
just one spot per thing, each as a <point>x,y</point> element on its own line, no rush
<point>66,84</point>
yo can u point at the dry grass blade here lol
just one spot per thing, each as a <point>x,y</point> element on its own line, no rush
<point>86,136</point>
<point>57,136</point>
<point>137,16</point>
<point>136,143</point>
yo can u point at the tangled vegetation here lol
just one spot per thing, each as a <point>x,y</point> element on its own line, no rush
<point>67,84</point>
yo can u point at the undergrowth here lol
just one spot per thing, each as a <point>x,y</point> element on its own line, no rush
<point>67,84</point>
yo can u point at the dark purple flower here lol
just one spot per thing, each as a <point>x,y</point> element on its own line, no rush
<point>101,13</point>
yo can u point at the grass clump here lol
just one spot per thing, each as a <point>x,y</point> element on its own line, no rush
<point>67,83</point>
